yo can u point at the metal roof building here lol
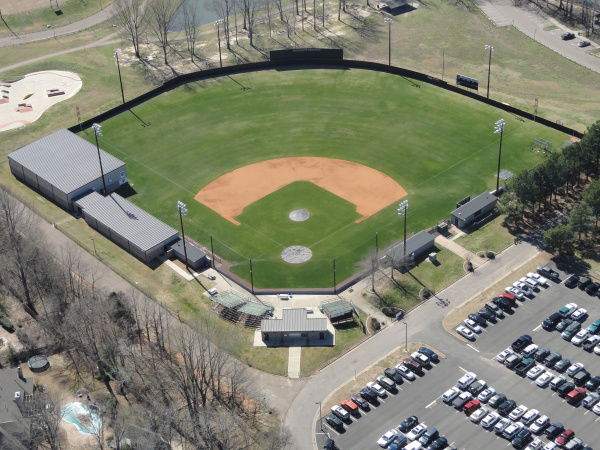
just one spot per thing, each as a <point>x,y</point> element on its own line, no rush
<point>63,167</point>
<point>196,258</point>
<point>142,234</point>
<point>337,309</point>
<point>473,210</point>
<point>416,245</point>
<point>295,326</point>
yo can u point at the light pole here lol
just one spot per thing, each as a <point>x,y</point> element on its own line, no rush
<point>218,24</point>
<point>388,20</point>
<point>402,208</point>
<point>182,208</point>
<point>490,49</point>
<point>98,132</point>
<point>320,414</point>
<point>405,336</point>
<point>120,79</point>
<point>499,128</point>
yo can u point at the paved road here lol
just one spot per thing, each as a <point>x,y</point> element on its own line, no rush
<point>421,398</point>
<point>423,323</point>
<point>531,21</point>
<point>52,33</point>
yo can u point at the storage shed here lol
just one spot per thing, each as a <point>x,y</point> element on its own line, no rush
<point>416,245</point>
<point>474,210</point>
<point>196,258</point>
<point>295,328</point>
<point>63,167</point>
<point>129,226</point>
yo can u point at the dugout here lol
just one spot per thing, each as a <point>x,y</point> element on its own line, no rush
<point>474,210</point>
<point>337,311</point>
<point>63,167</point>
<point>140,233</point>
<point>416,246</point>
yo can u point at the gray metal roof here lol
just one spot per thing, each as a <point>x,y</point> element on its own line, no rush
<point>471,207</point>
<point>194,254</point>
<point>65,160</point>
<point>336,308</point>
<point>422,241</point>
<point>294,320</point>
<point>9,384</point>
<point>127,220</point>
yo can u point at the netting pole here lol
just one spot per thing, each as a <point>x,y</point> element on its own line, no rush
<point>212,253</point>
<point>251,278</point>
<point>334,283</point>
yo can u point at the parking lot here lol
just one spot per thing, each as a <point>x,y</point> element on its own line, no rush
<point>422,397</point>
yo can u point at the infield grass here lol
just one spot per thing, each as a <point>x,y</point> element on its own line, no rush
<point>438,145</point>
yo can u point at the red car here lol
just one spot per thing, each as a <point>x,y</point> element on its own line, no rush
<point>350,406</point>
<point>471,407</point>
<point>508,296</point>
<point>576,395</point>
<point>564,437</point>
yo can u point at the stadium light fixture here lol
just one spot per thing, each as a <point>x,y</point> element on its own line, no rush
<point>117,51</point>
<point>490,49</point>
<point>389,21</point>
<point>402,211</point>
<point>499,129</point>
<point>98,132</point>
<point>182,208</point>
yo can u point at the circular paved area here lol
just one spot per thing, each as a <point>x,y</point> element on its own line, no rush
<point>296,254</point>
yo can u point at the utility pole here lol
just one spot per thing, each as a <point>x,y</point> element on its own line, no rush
<point>490,49</point>
<point>402,208</point>
<point>218,24</point>
<point>334,282</point>
<point>120,79</point>
<point>499,129</point>
<point>388,20</point>
<point>98,132</point>
<point>251,278</point>
<point>182,208</point>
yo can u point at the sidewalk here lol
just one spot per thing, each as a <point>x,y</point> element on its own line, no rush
<point>459,250</point>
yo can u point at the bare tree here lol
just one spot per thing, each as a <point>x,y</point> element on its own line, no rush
<point>45,422</point>
<point>249,11</point>
<point>131,16</point>
<point>191,21</point>
<point>224,8</point>
<point>161,14</point>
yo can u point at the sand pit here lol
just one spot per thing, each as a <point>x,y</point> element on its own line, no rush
<point>23,101</point>
<point>368,189</point>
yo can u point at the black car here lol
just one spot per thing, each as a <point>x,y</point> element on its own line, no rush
<point>487,315</point>
<point>521,343</point>
<point>391,373</point>
<point>592,288</point>
<point>593,384</point>
<point>491,307</point>
<point>400,442</point>
<point>551,321</point>
<point>412,365</point>
<point>562,365</point>
<point>497,400</point>
<point>506,407</point>
<point>478,319</point>
<point>547,272</point>
<point>503,303</point>
<point>334,421</point>
<point>369,395</point>
<point>522,438</point>
<point>572,281</point>
<point>477,387</point>
<point>433,356</point>
<point>524,366</point>
<point>552,359</point>
<point>554,430</point>
<point>541,354</point>
<point>408,424</point>
<point>583,283</point>
<point>565,388</point>
<point>581,377</point>
<point>439,444</point>
<point>459,402</point>
<point>360,401</point>
<point>563,324</point>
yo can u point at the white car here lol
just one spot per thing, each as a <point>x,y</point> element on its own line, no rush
<point>466,380</point>
<point>405,372</point>
<point>597,349</point>
<point>387,438</point>
<point>450,395</point>
<point>593,339</point>
<point>533,284</point>
<point>486,394</point>
<point>375,387</point>
<point>472,326</point>
<point>465,332</point>
<point>529,350</point>
<point>569,309</point>
<point>511,431</point>
<point>596,409</point>
<point>514,291</point>
<point>535,372</point>
<point>416,432</point>
<point>523,287</point>
<point>573,369</point>
<point>537,277</point>
<point>536,444</point>
<point>501,357</point>
<point>478,415</point>
<point>340,412</point>
<point>544,379</point>
<point>540,424</point>
<point>490,420</point>
<point>530,416</point>
<point>579,314</point>
<point>420,358</point>
<point>502,424</point>
<point>550,446</point>
<point>581,336</point>
<point>517,412</point>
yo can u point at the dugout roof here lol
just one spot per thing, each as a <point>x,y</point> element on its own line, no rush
<point>336,309</point>
<point>254,309</point>
<point>477,204</point>
<point>229,300</point>
<point>65,160</point>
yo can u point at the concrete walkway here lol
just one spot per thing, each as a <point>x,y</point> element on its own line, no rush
<point>294,357</point>
<point>531,21</point>
<point>459,250</point>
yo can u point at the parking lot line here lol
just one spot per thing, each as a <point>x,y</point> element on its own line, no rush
<point>473,348</point>
<point>431,404</point>
<point>332,430</point>
<point>537,328</point>
<point>464,370</point>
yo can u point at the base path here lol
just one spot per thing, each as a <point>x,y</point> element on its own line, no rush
<point>369,189</point>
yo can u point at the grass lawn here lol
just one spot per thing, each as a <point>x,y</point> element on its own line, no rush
<point>405,294</point>
<point>329,113</point>
<point>492,236</point>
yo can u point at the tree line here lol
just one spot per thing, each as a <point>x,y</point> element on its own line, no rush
<point>167,381</point>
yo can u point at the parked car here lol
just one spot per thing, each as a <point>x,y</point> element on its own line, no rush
<point>334,421</point>
<point>503,304</point>
<point>572,281</point>
<point>501,425</point>
<point>340,412</point>
<point>531,283</point>
<point>477,319</point>
<point>413,366</point>
<point>574,368</point>
<point>490,420</point>
<point>350,406</point>
<point>487,315</point>
<point>433,356</point>
<point>513,360</point>
<point>593,383</point>
<point>486,394</point>
<point>516,413</point>
<point>405,372</point>
<point>535,444</point>
<point>360,401</point>
<point>544,379</point>
<point>496,400</point>
<point>522,438</point>
<point>589,344</point>
<point>408,424</point>
<point>465,332</point>
<point>539,278</point>
<point>552,359</point>
<point>576,395</point>
<point>478,415</point>
<point>525,366</point>
<point>547,271</point>
<point>430,434</point>
<point>511,431</point>
<point>579,315</point>
<point>571,331</point>
<point>369,395</point>
<point>592,288</point>
<point>476,387</point>
<point>508,296</point>
<point>491,307</point>
<point>387,438</point>
<point>564,437</point>
<point>516,292</point>
<point>527,291</point>
<point>565,388</point>
<point>439,444</point>
<point>530,350</point>
<point>420,359</point>
<point>501,357</point>
<point>541,354</point>
<point>521,343</point>
<point>566,310</point>
<point>583,44</point>
<point>596,409</point>
<point>574,444</point>
<point>590,400</point>
<point>416,432</point>
<point>581,377</point>
<point>393,375</point>
<point>556,382</point>
<point>540,424</point>
<point>583,283</point>
<point>597,349</point>
<point>386,383</point>
<point>529,417</point>
<point>581,336</point>
<point>594,328</point>
<point>460,401</point>
<point>562,365</point>
<point>506,407</point>
<point>377,389</point>
<point>564,324</point>
<point>449,396</point>
<point>551,321</point>
<point>554,430</point>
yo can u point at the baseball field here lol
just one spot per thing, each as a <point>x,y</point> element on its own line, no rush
<point>338,147</point>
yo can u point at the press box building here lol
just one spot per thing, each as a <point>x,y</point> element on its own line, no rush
<point>64,167</point>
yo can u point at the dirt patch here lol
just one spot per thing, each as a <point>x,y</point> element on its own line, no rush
<point>368,189</point>
<point>476,303</point>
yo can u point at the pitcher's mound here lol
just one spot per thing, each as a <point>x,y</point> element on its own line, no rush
<point>296,254</point>
<point>299,215</point>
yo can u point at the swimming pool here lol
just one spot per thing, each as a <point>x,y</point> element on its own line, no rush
<point>86,419</point>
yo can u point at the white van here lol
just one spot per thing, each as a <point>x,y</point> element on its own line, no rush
<point>415,445</point>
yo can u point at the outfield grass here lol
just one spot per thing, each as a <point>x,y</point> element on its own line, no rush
<point>491,236</point>
<point>202,131</point>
